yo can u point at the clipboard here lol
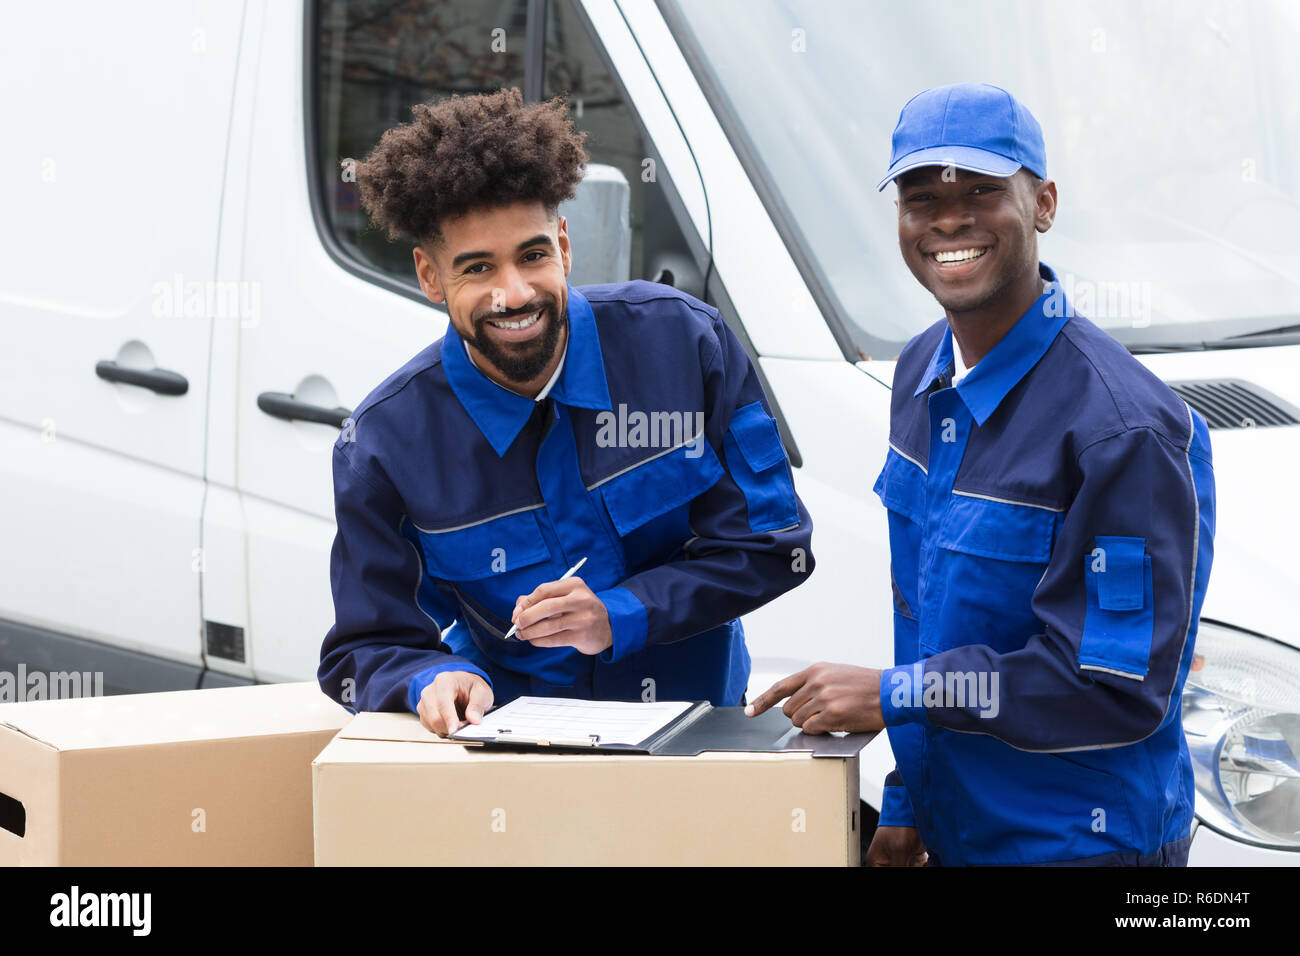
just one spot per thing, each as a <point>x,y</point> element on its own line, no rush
<point>699,728</point>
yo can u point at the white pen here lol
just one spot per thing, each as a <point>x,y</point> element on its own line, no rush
<point>567,574</point>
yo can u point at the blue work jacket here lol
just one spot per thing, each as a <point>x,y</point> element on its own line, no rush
<point>654,456</point>
<point>1051,522</point>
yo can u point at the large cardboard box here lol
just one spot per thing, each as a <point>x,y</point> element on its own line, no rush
<point>204,777</point>
<point>389,792</point>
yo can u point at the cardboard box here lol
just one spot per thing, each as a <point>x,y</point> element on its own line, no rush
<point>201,777</point>
<point>388,792</point>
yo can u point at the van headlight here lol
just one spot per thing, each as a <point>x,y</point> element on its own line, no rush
<point>1241,715</point>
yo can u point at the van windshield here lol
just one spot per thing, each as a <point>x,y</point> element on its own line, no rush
<point>1172,130</point>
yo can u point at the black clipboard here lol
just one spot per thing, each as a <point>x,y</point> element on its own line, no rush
<point>700,728</point>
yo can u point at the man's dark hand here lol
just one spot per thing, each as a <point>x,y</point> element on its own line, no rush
<point>826,698</point>
<point>897,846</point>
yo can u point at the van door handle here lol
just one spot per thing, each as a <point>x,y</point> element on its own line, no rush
<point>158,380</point>
<point>283,405</point>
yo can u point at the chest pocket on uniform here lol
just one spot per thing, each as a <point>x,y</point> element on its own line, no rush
<point>989,558</point>
<point>489,564</point>
<point>901,487</point>
<point>486,566</point>
<point>649,503</point>
<point>489,548</point>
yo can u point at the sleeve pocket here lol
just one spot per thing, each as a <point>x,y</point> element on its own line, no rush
<point>1120,614</point>
<point>757,462</point>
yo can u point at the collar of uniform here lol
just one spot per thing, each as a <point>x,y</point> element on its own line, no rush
<point>988,382</point>
<point>499,413</point>
<point>582,383</point>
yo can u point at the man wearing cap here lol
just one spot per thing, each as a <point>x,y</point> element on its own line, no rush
<point>1051,515</point>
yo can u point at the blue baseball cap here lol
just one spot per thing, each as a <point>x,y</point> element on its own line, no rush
<point>971,126</point>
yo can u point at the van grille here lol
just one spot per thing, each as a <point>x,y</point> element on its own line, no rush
<point>1233,403</point>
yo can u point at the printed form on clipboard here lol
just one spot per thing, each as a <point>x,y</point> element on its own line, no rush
<point>662,728</point>
<point>570,722</point>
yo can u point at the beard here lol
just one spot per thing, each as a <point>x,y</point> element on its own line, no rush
<point>522,363</point>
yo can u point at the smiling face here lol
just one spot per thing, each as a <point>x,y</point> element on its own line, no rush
<point>501,271</point>
<point>971,239</point>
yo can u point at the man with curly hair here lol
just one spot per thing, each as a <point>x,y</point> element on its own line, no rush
<point>621,424</point>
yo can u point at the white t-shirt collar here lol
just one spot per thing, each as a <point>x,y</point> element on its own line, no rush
<point>961,368</point>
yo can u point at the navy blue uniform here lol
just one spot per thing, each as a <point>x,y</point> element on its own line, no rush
<point>654,456</point>
<point>1051,522</point>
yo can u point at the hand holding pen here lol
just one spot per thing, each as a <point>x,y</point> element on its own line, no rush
<point>563,613</point>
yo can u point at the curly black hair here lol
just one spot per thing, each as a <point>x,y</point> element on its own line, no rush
<point>470,152</point>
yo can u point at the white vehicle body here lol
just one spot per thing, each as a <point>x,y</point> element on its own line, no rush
<point>131,518</point>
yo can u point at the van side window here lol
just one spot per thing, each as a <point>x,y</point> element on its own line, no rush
<point>574,65</point>
<point>374,59</point>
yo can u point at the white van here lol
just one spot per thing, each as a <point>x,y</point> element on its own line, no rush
<point>192,301</point>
